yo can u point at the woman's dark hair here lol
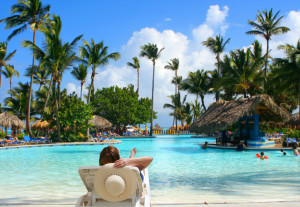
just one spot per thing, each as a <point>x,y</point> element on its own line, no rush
<point>262,154</point>
<point>109,154</point>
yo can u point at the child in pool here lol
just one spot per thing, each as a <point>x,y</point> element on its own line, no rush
<point>262,156</point>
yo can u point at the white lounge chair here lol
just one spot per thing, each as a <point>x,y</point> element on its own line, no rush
<point>114,187</point>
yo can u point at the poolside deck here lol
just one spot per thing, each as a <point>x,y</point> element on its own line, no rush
<point>277,147</point>
<point>154,204</point>
<point>61,144</point>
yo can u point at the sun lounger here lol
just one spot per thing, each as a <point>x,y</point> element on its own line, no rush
<point>29,140</point>
<point>108,186</point>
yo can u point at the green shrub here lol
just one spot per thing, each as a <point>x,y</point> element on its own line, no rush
<point>2,135</point>
<point>21,136</point>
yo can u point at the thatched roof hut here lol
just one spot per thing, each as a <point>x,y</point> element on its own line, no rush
<point>8,120</point>
<point>100,122</point>
<point>40,125</point>
<point>223,114</point>
<point>157,128</point>
<point>176,127</point>
<point>294,120</point>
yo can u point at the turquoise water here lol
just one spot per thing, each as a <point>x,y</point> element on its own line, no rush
<point>180,172</point>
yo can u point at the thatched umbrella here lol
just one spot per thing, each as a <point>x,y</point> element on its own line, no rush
<point>294,121</point>
<point>99,122</point>
<point>157,128</point>
<point>223,114</point>
<point>8,120</point>
<point>176,127</point>
<point>40,125</point>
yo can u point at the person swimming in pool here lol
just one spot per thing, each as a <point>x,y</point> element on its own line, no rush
<point>262,156</point>
<point>205,145</point>
<point>111,154</point>
<point>295,150</point>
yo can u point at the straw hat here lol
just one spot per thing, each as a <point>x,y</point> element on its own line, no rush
<point>115,184</point>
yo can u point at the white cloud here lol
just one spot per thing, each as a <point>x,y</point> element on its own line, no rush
<point>215,16</point>
<point>168,19</point>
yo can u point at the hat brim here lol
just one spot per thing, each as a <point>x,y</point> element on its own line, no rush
<point>107,170</point>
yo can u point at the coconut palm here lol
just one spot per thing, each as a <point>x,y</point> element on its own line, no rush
<point>57,57</point>
<point>173,65</point>
<point>4,57</point>
<point>16,103</point>
<point>216,46</point>
<point>241,76</point>
<point>289,69</point>
<point>136,65</point>
<point>177,106</point>
<point>197,83</point>
<point>151,52</point>
<point>96,55</point>
<point>41,76</point>
<point>80,74</point>
<point>33,14</point>
<point>266,25</point>
<point>10,72</point>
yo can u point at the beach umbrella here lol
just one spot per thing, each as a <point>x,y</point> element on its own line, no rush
<point>99,122</point>
<point>157,128</point>
<point>8,120</point>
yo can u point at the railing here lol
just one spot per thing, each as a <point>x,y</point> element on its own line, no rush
<point>170,132</point>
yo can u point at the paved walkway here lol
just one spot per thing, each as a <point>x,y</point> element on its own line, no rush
<point>241,204</point>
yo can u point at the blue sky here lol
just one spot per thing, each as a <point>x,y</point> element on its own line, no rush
<point>179,26</point>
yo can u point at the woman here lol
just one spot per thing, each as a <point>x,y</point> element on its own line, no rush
<point>111,154</point>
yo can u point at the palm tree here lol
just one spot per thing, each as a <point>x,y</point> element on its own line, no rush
<point>242,76</point>
<point>289,69</point>
<point>267,25</point>
<point>4,57</point>
<point>136,65</point>
<point>57,57</point>
<point>174,66</point>
<point>10,73</point>
<point>151,52</point>
<point>96,55</point>
<point>33,14</point>
<point>177,106</point>
<point>197,83</point>
<point>41,76</point>
<point>16,103</point>
<point>217,47</point>
<point>196,110</point>
<point>80,74</point>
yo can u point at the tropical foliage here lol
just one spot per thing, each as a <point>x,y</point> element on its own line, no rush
<point>121,106</point>
<point>240,73</point>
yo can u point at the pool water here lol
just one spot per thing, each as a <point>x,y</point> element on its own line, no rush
<point>180,172</point>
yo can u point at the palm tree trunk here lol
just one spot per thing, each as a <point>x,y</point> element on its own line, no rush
<point>47,97</point>
<point>267,54</point>
<point>0,75</point>
<point>202,101</point>
<point>217,92</point>
<point>30,91</point>
<point>175,96</point>
<point>56,113</point>
<point>151,127</point>
<point>81,91</point>
<point>138,88</point>
<point>10,87</point>
<point>92,85</point>
<point>58,88</point>
<point>40,87</point>
<point>89,98</point>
